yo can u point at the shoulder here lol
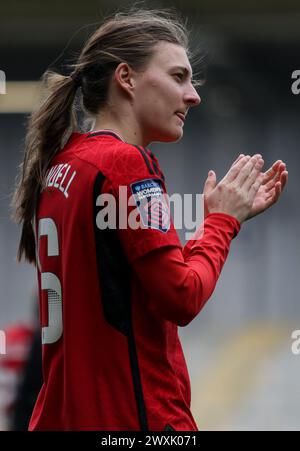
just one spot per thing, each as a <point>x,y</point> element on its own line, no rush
<point>118,161</point>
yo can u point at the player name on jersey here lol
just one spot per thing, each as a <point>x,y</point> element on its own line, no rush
<point>60,176</point>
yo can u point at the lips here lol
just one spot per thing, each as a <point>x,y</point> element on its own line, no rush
<point>181,116</point>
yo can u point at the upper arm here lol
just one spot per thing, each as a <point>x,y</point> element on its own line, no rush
<point>144,218</point>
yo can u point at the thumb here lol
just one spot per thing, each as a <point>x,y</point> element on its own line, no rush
<point>210,183</point>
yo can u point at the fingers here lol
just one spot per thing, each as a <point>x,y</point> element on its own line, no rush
<point>235,169</point>
<point>284,178</point>
<point>279,186</point>
<point>275,169</point>
<point>272,171</point>
<point>256,185</point>
<point>273,194</point>
<point>280,175</point>
<point>254,174</point>
<point>210,183</point>
<point>246,170</point>
<point>238,158</point>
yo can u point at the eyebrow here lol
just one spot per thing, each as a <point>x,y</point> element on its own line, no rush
<point>186,71</point>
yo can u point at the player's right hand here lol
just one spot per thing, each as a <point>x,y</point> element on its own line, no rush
<point>235,193</point>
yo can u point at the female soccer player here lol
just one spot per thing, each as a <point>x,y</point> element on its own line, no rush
<point>111,299</point>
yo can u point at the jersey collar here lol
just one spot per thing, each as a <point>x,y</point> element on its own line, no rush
<point>106,132</point>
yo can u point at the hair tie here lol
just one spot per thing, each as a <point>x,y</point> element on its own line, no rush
<point>76,77</point>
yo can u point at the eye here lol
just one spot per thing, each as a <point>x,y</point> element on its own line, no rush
<point>179,76</point>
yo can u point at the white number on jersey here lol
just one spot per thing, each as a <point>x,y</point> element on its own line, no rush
<point>51,283</point>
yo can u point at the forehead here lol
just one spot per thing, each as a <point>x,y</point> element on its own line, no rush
<point>168,55</point>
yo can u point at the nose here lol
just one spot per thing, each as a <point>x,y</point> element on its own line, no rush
<point>192,97</point>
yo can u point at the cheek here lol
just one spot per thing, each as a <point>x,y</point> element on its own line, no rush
<point>151,107</point>
<point>159,94</point>
<point>157,101</point>
<point>151,94</point>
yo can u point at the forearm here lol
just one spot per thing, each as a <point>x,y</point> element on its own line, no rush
<point>207,254</point>
<point>179,282</point>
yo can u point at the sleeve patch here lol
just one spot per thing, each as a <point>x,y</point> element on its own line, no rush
<point>152,204</point>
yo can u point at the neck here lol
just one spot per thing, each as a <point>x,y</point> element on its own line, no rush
<point>127,130</point>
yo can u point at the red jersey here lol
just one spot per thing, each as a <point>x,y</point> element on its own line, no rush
<point>112,358</point>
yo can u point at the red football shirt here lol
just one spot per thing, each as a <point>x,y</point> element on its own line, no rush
<point>112,358</point>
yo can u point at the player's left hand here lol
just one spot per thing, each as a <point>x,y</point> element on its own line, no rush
<point>269,192</point>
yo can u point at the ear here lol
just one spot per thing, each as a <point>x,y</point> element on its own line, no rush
<point>124,77</point>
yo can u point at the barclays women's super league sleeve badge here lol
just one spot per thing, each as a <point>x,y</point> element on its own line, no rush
<point>152,204</point>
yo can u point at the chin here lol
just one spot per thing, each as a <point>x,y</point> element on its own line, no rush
<point>170,136</point>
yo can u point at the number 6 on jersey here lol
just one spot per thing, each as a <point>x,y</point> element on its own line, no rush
<point>51,283</point>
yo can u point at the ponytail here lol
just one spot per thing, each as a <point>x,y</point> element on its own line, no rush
<point>46,130</point>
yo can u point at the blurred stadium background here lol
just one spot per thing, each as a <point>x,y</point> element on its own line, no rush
<point>244,375</point>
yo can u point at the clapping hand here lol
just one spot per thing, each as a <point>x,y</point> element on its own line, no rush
<point>270,190</point>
